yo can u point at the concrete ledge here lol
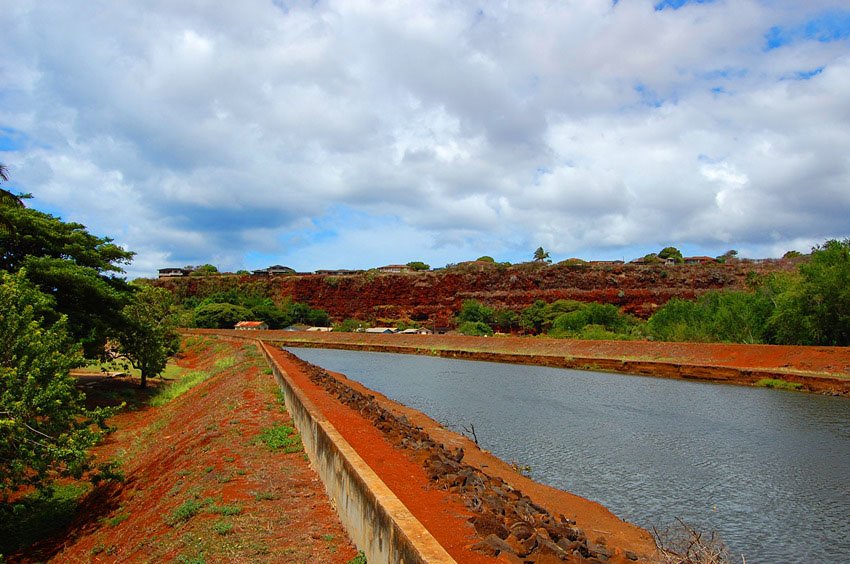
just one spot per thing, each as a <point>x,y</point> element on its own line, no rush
<point>377,521</point>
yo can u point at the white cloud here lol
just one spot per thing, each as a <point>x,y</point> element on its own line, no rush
<point>195,133</point>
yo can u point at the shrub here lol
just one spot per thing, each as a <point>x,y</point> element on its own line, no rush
<point>475,328</point>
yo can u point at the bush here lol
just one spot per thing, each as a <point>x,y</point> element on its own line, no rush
<point>475,328</point>
<point>220,316</point>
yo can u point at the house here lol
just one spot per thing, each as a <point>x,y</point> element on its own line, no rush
<point>383,330</point>
<point>416,331</point>
<point>700,260</point>
<point>338,272</point>
<point>279,269</point>
<point>173,272</point>
<point>394,269</point>
<point>320,329</point>
<point>251,326</point>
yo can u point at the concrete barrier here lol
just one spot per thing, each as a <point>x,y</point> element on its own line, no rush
<point>377,521</point>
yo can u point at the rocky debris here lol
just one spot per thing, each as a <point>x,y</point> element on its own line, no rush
<point>509,523</point>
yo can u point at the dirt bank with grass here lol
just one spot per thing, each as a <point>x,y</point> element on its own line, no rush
<point>823,370</point>
<point>215,474</point>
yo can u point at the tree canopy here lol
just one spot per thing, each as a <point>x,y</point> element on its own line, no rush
<point>45,429</point>
<point>540,255</point>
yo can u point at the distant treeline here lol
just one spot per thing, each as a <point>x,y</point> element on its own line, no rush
<point>225,309</point>
<point>807,307</point>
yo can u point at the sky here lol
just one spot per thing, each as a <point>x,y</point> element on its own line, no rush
<point>354,134</point>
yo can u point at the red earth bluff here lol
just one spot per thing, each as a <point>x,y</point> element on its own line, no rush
<point>437,295</point>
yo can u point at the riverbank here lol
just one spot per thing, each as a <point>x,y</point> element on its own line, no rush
<point>824,370</point>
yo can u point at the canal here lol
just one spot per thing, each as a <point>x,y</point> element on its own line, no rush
<point>768,470</point>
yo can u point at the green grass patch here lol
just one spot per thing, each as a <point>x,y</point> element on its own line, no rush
<point>282,437</point>
<point>359,559</point>
<point>38,515</point>
<point>223,527</point>
<point>224,363</point>
<point>263,496</point>
<point>117,520</point>
<point>778,384</point>
<point>178,388</point>
<point>227,510</point>
<point>184,512</point>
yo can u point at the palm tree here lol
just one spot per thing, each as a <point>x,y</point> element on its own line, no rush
<point>7,198</point>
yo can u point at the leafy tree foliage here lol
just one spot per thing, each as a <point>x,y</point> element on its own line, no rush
<point>671,253</point>
<point>204,270</point>
<point>475,328</point>
<point>538,317</point>
<point>220,315</point>
<point>485,258</point>
<point>817,310</point>
<point>77,269</point>
<point>476,312</point>
<point>148,336</point>
<point>45,429</point>
<point>541,255</point>
<point>418,265</point>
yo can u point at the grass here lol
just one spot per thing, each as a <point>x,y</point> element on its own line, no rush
<point>38,515</point>
<point>223,527</point>
<point>117,520</point>
<point>359,559</point>
<point>184,512</point>
<point>777,384</point>
<point>178,388</point>
<point>226,510</point>
<point>282,437</point>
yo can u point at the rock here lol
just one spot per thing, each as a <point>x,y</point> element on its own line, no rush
<point>491,546</point>
<point>488,524</point>
<point>631,555</point>
<point>522,530</point>
<point>522,547</point>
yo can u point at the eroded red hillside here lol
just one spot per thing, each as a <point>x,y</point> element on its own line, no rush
<point>437,295</point>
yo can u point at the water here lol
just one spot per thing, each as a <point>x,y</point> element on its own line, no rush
<point>768,470</point>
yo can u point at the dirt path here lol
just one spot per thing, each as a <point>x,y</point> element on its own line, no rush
<point>200,486</point>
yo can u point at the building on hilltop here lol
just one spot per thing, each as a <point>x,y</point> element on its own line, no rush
<point>174,272</point>
<point>394,269</point>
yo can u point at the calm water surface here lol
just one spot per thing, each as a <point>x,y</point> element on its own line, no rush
<point>768,470</point>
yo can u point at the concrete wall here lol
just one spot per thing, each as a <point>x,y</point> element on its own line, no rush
<point>377,521</point>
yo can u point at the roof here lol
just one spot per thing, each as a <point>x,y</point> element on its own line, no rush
<point>250,324</point>
<point>380,330</point>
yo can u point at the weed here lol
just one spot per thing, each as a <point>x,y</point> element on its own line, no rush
<point>180,387</point>
<point>184,512</point>
<point>229,458</point>
<point>282,437</point>
<point>327,538</point>
<point>117,520</point>
<point>199,559</point>
<point>224,363</point>
<point>777,384</point>
<point>260,496</point>
<point>209,469</point>
<point>223,527</point>
<point>241,471</point>
<point>224,478</point>
<point>359,559</point>
<point>234,509</point>
<point>523,469</point>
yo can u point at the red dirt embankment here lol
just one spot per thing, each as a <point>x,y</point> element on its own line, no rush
<point>436,296</point>
<point>200,486</point>
<point>816,369</point>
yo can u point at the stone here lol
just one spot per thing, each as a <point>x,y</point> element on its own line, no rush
<point>491,546</point>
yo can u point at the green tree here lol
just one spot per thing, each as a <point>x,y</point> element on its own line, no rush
<point>541,255</point>
<point>671,253</point>
<point>45,429</point>
<point>418,265</point>
<point>728,256</point>
<point>7,198</point>
<point>475,311</point>
<point>817,311</point>
<point>475,328</point>
<point>485,258</point>
<point>220,315</point>
<point>204,270</point>
<point>77,269</point>
<point>148,336</point>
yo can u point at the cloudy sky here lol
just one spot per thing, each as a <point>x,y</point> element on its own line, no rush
<point>352,133</point>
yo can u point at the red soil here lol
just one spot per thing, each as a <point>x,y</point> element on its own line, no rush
<point>203,446</point>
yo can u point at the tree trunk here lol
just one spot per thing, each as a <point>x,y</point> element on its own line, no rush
<point>144,378</point>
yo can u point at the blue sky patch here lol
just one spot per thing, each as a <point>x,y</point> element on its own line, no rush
<point>11,139</point>
<point>824,28</point>
<point>676,4</point>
